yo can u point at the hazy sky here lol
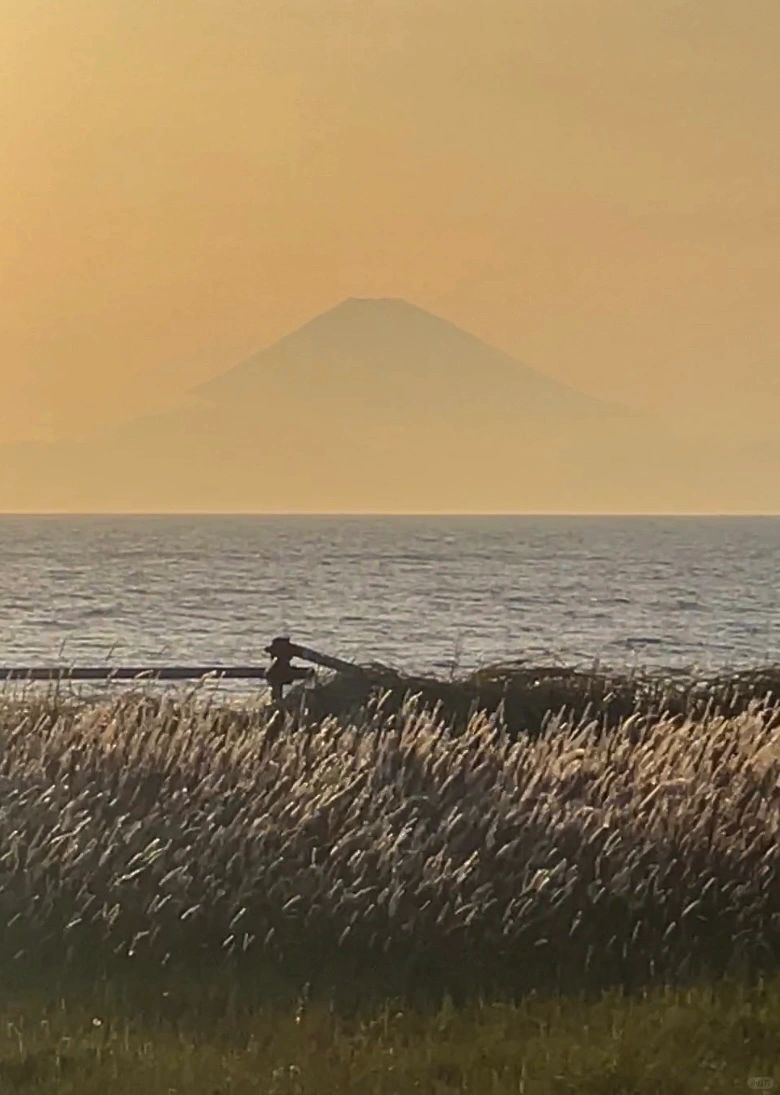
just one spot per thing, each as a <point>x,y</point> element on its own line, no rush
<point>589,184</point>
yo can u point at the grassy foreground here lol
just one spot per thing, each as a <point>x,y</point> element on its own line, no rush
<point>697,1041</point>
<point>218,900</point>
<point>390,849</point>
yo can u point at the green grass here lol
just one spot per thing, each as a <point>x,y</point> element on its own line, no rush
<point>698,1041</point>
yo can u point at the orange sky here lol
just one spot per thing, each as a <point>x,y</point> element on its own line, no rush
<point>589,184</point>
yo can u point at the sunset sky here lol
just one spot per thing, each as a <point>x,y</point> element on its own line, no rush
<point>591,185</point>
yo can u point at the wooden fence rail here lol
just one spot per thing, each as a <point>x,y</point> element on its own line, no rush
<point>132,672</point>
<point>280,673</point>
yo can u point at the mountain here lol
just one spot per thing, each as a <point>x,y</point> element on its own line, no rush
<point>373,405</point>
<point>364,351</point>
<point>377,404</point>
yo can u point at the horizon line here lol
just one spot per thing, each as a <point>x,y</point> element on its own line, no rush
<point>395,513</point>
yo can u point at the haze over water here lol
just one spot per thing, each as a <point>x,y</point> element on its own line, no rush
<point>418,592</point>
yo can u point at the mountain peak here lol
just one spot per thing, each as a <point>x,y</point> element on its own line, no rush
<point>363,325</point>
<point>394,309</point>
<point>376,351</point>
<point>354,302</point>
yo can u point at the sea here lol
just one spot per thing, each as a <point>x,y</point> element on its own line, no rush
<point>425,594</point>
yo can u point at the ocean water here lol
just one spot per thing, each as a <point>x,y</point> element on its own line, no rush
<point>419,592</point>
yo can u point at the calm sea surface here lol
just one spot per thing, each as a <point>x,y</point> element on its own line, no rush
<point>422,593</point>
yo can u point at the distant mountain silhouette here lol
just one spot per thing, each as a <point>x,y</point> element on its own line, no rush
<point>365,348</point>
<point>376,405</point>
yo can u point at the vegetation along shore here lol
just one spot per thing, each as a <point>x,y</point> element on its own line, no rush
<point>520,880</point>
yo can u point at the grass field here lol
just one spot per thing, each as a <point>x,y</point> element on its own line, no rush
<point>388,897</point>
<point>698,1041</point>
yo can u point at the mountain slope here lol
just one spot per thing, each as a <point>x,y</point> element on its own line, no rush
<point>377,405</point>
<point>369,350</point>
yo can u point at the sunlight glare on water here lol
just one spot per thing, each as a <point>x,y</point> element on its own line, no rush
<point>418,592</point>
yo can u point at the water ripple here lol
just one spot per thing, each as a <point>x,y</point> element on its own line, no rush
<point>419,592</point>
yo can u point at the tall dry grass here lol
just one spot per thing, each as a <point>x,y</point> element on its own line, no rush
<point>388,845</point>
